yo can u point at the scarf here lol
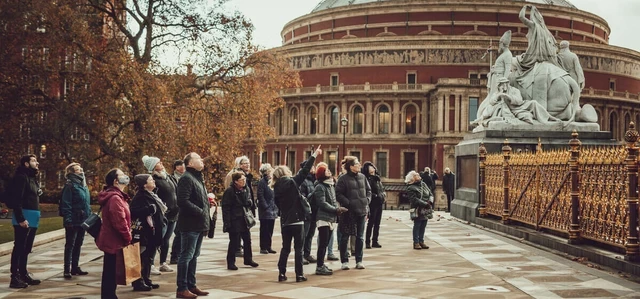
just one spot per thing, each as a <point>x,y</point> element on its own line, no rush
<point>329,181</point>
<point>163,207</point>
<point>77,179</point>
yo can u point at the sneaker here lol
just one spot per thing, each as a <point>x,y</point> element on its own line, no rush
<point>323,271</point>
<point>345,266</point>
<point>310,258</point>
<point>359,266</point>
<point>264,251</point>
<point>332,257</point>
<point>165,268</point>
<point>154,271</point>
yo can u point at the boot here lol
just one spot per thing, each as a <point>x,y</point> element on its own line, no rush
<point>78,271</point>
<point>185,294</point>
<point>417,246</point>
<point>30,280</point>
<point>140,286</point>
<point>376,245</point>
<point>423,246</point>
<point>67,272</point>
<point>17,283</point>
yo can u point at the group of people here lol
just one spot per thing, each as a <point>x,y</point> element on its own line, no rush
<point>312,199</point>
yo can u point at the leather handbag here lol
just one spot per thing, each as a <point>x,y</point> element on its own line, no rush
<point>248,217</point>
<point>93,224</point>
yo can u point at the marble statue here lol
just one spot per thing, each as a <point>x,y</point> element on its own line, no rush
<point>542,45</point>
<point>500,69</point>
<point>571,63</point>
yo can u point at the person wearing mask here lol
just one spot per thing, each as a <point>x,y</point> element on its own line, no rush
<point>421,199</point>
<point>353,192</point>
<point>235,203</point>
<point>166,186</point>
<point>193,225</point>
<point>178,171</point>
<point>74,209</point>
<point>267,210</point>
<point>378,197</point>
<point>292,214</point>
<point>326,214</point>
<point>306,189</point>
<point>149,209</point>
<point>115,232</point>
<point>25,201</point>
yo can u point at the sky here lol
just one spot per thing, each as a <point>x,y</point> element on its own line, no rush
<point>270,16</point>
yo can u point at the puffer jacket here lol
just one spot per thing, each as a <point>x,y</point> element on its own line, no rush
<point>267,208</point>
<point>233,203</point>
<point>288,197</point>
<point>74,205</point>
<point>116,220</point>
<point>324,196</point>
<point>354,193</point>
<point>420,197</point>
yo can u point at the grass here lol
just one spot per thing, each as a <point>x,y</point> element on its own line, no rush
<point>46,225</point>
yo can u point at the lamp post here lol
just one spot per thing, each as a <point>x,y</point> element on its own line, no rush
<point>343,122</point>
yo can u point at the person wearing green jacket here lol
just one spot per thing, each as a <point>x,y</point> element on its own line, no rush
<point>74,209</point>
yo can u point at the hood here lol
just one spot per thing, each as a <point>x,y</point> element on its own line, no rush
<point>109,192</point>
<point>365,168</point>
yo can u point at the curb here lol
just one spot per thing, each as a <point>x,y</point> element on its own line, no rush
<point>41,239</point>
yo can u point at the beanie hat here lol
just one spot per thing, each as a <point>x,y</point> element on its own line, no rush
<point>150,162</point>
<point>141,179</point>
<point>321,172</point>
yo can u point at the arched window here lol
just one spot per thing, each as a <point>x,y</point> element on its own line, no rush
<point>294,121</point>
<point>410,120</point>
<point>358,119</point>
<point>613,124</point>
<point>335,120</point>
<point>313,120</point>
<point>278,123</point>
<point>384,119</point>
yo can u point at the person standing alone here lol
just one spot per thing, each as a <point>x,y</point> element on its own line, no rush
<point>74,209</point>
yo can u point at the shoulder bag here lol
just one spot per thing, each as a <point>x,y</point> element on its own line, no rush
<point>93,224</point>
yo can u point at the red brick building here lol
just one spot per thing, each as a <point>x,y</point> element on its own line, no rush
<point>409,75</point>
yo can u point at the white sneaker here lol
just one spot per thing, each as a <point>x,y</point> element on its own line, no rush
<point>154,271</point>
<point>345,266</point>
<point>165,268</point>
<point>359,266</point>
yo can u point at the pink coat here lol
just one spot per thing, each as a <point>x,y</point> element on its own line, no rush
<point>116,220</point>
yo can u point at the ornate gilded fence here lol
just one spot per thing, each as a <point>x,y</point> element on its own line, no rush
<point>581,192</point>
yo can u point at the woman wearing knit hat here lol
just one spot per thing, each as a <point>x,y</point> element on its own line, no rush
<point>147,207</point>
<point>324,196</point>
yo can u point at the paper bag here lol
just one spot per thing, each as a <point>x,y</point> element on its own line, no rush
<point>128,266</point>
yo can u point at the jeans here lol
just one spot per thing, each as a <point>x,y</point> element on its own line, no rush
<point>344,241</point>
<point>175,247</point>
<point>108,286</point>
<point>164,248</point>
<point>190,243</point>
<point>375,217</point>
<point>146,260</point>
<point>21,248</point>
<point>309,232</point>
<point>419,227</point>
<point>323,241</point>
<point>297,233</point>
<point>74,237</point>
<point>266,233</point>
<point>234,246</point>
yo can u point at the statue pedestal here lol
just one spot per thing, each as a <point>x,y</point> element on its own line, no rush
<point>466,201</point>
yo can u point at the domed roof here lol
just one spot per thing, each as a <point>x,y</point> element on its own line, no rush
<point>328,4</point>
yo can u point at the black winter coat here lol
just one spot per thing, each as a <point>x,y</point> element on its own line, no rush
<point>24,192</point>
<point>354,193</point>
<point>193,203</point>
<point>233,203</point>
<point>267,208</point>
<point>166,189</point>
<point>324,196</point>
<point>378,196</point>
<point>449,183</point>
<point>142,205</point>
<point>288,197</point>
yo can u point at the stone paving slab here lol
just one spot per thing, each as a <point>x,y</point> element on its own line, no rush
<point>463,262</point>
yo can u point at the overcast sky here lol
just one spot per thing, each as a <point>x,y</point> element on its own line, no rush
<point>269,16</point>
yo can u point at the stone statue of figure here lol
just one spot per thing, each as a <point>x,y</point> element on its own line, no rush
<point>571,63</point>
<point>502,66</point>
<point>542,45</point>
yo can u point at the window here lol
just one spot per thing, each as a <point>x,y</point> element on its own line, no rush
<point>355,154</point>
<point>473,109</point>
<point>335,120</point>
<point>613,124</point>
<point>61,179</point>
<point>384,119</point>
<point>294,121</point>
<point>358,119</point>
<point>612,84</point>
<point>411,80</point>
<point>334,80</point>
<point>291,157</point>
<point>307,154</point>
<point>381,163</point>
<point>409,162</point>
<point>42,177</point>
<point>263,157</point>
<point>278,123</point>
<point>276,158</point>
<point>332,159</point>
<point>410,119</point>
<point>313,120</point>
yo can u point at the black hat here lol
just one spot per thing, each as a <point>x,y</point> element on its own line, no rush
<point>178,163</point>
<point>141,179</point>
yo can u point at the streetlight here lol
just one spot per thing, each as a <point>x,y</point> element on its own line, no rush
<point>343,122</point>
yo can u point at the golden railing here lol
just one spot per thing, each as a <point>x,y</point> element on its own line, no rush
<point>584,193</point>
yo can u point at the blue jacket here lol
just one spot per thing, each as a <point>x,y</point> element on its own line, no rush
<point>74,205</point>
<point>267,208</point>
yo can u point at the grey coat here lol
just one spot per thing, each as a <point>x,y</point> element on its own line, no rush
<point>324,196</point>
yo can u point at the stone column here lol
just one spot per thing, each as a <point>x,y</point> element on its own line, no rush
<point>440,113</point>
<point>424,117</point>
<point>445,112</point>
<point>322,115</point>
<point>396,115</point>
<point>368,116</point>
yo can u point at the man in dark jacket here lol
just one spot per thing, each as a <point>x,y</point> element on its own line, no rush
<point>166,186</point>
<point>353,192</point>
<point>306,189</point>
<point>449,186</point>
<point>427,178</point>
<point>193,224</point>
<point>25,199</point>
<point>178,171</point>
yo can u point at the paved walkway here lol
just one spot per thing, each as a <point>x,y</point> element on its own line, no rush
<point>463,262</point>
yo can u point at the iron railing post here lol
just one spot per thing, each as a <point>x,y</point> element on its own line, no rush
<point>631,137</point>
<point>482,196</point>
<point>506,153</point>
<point>574,168</point>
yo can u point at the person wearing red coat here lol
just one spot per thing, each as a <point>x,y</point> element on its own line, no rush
<point>115,233</point>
